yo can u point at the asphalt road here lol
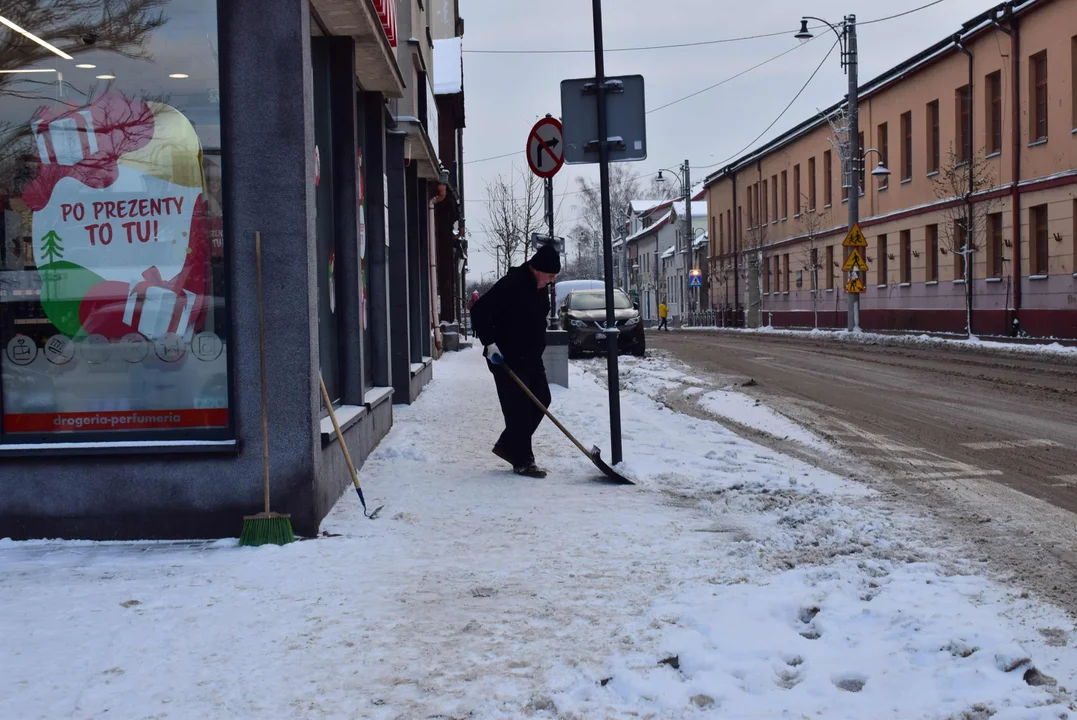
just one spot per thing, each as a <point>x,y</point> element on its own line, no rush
<point>976,437</point>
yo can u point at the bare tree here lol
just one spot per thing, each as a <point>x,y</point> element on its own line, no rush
<point>754,262</point>
<point>624,188</point>
<point>961,184</point>
<point>811,223</point>
<point>514,211</point>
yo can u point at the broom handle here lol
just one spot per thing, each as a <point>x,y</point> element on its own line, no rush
<point>340,435</point>
<point>262,363</point>
<point>538,402</point>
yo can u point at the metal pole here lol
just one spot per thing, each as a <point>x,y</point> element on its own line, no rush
<point>607,241</point>
<point>688,234</point>
<point>549,224</point>
<point>854,164</point>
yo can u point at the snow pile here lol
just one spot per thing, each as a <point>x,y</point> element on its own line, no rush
<point>921,340</point>
<point>733,582</point>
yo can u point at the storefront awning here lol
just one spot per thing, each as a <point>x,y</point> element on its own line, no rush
<point>375,58</point>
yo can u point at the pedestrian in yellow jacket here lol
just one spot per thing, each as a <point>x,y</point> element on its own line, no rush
<point>663,316</point>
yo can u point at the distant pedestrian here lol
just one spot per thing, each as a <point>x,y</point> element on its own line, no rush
<point>663,316</point>
<point>473,300</point>
<point>510,321</point>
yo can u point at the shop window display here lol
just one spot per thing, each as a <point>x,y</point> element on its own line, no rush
<point>113,316</point>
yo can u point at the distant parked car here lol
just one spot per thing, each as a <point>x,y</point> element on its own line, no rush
<point>583,315</point>
<point>564,287</point>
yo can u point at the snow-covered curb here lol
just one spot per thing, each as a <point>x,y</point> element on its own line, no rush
<point>974,344</point>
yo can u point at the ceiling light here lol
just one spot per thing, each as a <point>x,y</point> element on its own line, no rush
<point>106,77</point>
<point>35,38</point>
<point>179,76</point>
<point>28,70</point>
<point>86,66</point>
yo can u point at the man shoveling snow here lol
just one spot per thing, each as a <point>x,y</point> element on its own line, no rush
<point>510,321</point>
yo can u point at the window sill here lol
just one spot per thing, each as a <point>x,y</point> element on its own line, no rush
<point>376,396</point>
<point>1037,277</point>
<point>997,153</point>
<point>881,287</point>
<point>959,282</point>
<point>933,173</point>
<point>785,292</point>
<point>905,284</point>
<point>931,282</point>
<point>884,187</point>
<point>1037,143</point>
<point>830,289</point>
<point>130,447</point>
<point>347,415</point>
<point>906,181</point>
<point>827,206</point>
<point>993,279</point>
<point>844,200</point>
<point>797,216</point>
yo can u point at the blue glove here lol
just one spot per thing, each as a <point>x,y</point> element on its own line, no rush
<point>493,354</point>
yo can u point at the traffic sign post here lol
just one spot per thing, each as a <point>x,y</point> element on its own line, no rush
<point>854,265</point>
<point>546,156</point>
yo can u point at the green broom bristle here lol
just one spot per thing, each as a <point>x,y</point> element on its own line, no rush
<point>266,531</point>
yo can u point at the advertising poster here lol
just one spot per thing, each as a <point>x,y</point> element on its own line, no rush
<point>115,338</point>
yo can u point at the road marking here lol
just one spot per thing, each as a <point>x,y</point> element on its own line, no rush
<point>1061,480</point>
<point>1007,444</point>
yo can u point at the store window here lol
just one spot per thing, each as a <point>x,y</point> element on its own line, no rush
<point>113,314</point>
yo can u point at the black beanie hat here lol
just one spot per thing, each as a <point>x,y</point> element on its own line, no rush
<point>546,260</point>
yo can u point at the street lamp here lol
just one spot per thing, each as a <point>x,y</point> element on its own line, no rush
<point>685,176</point>
<point>847,39</point>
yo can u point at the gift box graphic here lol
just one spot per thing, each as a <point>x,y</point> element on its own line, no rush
<point>155,308</point>
<point>67,140</point>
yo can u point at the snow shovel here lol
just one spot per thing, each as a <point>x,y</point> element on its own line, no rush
<point>594,454</point>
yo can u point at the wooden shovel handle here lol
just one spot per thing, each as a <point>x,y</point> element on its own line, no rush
<point>538,402</point>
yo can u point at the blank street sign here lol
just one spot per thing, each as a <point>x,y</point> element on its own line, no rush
<point>626,119</point>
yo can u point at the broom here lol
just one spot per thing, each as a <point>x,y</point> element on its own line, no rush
<point>265,528</point>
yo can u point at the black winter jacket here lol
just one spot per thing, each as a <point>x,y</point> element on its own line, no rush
<point>513,314</point>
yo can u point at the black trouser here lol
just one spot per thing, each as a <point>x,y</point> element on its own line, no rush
<point>664,324</point>
<point>522,416</point>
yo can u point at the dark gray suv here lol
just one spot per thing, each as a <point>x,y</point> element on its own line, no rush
<point>583,315</point>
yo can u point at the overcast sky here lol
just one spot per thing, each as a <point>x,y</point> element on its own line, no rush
<point>506,94</point>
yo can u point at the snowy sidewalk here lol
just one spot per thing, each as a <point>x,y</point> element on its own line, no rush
<point>733,582</point>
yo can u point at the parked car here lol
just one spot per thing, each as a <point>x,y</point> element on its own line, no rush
<point>583,315</point>
<point>564,287</point>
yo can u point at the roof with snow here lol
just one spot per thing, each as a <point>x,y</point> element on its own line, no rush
<point>642,206</point>
<point>653,227</point>
<point>448,66</point>
<point>668,253</point>
<point>979,24</point>
<point>700,241</point>
<point>699,209</point>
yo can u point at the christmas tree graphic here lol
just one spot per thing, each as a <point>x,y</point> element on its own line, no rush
<point>52,247</point>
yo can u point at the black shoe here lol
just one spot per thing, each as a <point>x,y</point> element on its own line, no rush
<point>502,453</point>
<point>531,470</point>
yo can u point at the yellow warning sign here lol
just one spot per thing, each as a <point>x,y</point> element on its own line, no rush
<point>854,261</point>
<point>855,238</point>
<point>856,285</point>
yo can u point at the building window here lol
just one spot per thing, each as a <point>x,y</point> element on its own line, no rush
<point>114,321</point>
<point>1073,264</point>
<point>751,206</point>
<point>830,267</point>
<point>906,146</point>
<point>729,226</point>
<point>931,248</point>
<point>828,179</point>
<point>906,256</point>
<point>740,225</point>
<point>994,112</point>
<point>880,250</point>
<point>785,194</point>
<point>796,190</point>
<point>777,273</point>
<point>961,114</point>
<point>994,245</point>
<point>811,183</point>
<point>814,268</point>
<point>1073,82</point>
<point>774,195</point>
<point>884,153</point>
<point>721,235</point>
<point>934,140</point>
<point>1037,88</point>
<point>764,198</point>
<point>766,277</point>
<point>785,272</point>
<point>958,248</point>
<point>1038,229</point>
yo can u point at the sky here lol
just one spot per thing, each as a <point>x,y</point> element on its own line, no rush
<point>506,94</point>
